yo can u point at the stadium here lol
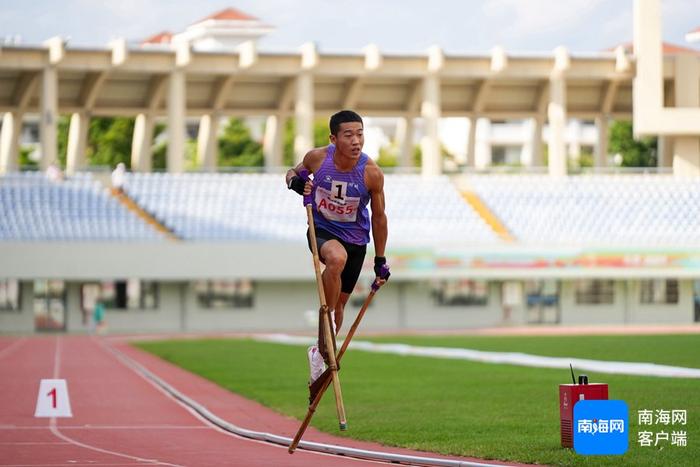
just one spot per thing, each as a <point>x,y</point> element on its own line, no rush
<point>517,224</point>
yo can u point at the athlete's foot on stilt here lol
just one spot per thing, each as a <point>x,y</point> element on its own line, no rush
<point>316,364</point>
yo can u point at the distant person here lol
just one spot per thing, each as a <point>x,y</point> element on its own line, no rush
<point>54,173</point>
<point>98,316</point>
<point>345,181</point>
<point>119,176</point>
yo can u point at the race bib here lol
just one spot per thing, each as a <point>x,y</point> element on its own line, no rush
<point>335,204</point>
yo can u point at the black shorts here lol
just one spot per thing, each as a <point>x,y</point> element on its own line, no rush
<point>353,266</point>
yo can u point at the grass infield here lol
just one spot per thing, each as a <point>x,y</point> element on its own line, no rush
<point>458,407</point>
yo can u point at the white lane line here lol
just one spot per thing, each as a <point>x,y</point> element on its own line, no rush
<point>67,464</point>
<point>29,443</point>
<point>269,439</point>
<point>160,385</point>
<point>107,427</point>
<point>12,347</point>
<point>54,429</point>
<point>504,358</point>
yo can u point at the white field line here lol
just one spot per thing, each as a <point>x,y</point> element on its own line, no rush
<point>504,358</point>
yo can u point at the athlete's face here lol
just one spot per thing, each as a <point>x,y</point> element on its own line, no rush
<point>350,139</point>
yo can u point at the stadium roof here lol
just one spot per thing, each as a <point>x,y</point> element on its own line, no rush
<point>126,81</point>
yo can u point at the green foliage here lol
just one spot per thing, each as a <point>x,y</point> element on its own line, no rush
<point>458,407</point>
<point>24,160</point>
<point>160,151</point>
<point>417,156</point>
<point>159,156</point>
<point>191,162</point>
<point>635,153</point>
<point>321,133</point>
<point>109,141</point>
<point>63,126</point>
<point>388,156</point>
<point>237,148</point>
<point>586,159</point>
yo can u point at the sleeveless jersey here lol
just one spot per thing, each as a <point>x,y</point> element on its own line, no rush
<point>340,200</point>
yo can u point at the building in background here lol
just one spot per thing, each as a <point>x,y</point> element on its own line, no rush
<point>222,31</point>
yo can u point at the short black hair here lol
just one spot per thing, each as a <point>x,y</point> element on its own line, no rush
<point>343,116</point>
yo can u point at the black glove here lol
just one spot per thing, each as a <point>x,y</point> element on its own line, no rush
<point>297,184</point>
<point>380,261</point>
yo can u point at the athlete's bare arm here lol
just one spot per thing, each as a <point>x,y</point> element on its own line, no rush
<point>374,180</point>
<point>312,162</point>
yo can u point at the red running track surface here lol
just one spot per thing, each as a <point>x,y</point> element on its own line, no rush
<point>121,418</point>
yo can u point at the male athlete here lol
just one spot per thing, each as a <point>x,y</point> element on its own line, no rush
<point>345,181</point>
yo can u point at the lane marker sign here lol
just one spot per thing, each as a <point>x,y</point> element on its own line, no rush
<point>53,400</point>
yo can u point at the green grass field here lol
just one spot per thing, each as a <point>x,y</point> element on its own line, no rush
<point>458,407</point>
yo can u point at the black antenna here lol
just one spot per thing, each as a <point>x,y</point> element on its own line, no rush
<point>573,378</point>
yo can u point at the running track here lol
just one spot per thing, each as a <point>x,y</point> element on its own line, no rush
<point>120,418</point>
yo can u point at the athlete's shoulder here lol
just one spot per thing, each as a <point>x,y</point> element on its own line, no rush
<point>314,158</point>
<point>374,177</point>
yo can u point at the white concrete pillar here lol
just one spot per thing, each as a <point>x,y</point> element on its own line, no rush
<point>471,142</point>
<point>535,142</point>
<point>141,144</point>
<point>430,111</point>
<point>77,141</point>
<point>405,131</point>
<point>49,117</point>
<point>601,149</point>
<point>208,141</point>
<point>482,150</point>
<point>273,142</point>
<point>556,114</point>
<point>686,156</point>
<point>664,153</point>
<point>304,115</point>
<point>648,80</point>
<point>9,141</point>
<point>176,122</point>
<point>686,149</point>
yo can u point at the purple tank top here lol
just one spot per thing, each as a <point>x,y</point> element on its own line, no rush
<point>340,200</point>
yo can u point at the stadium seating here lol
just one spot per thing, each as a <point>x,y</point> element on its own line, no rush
<point>619,210</point>
<point>33,208</point>
<point>220,207</point>
<point>430,211</point>
<point>586,210</point>
<point>259,207</point>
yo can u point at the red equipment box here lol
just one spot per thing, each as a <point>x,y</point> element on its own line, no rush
<point>569,394</point>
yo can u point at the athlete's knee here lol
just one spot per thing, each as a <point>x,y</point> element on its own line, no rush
<point>336,259</point>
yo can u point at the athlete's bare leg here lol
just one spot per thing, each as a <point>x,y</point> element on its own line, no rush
<point>339,310</point>
<point>334,256</point>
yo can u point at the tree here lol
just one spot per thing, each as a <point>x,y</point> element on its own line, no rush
<point>109,141</point>
<point>63,125</point>
<point>635,153</point>
<point>237,148</point>
<point>321,133</point>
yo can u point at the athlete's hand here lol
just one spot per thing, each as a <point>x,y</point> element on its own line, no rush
<point>381,270</point>
<point>308,187</point>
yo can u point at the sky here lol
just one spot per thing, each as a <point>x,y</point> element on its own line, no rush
<point>396,26</point>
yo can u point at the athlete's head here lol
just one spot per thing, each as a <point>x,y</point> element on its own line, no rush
<point>347,133</point>
<point>344,116</point>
